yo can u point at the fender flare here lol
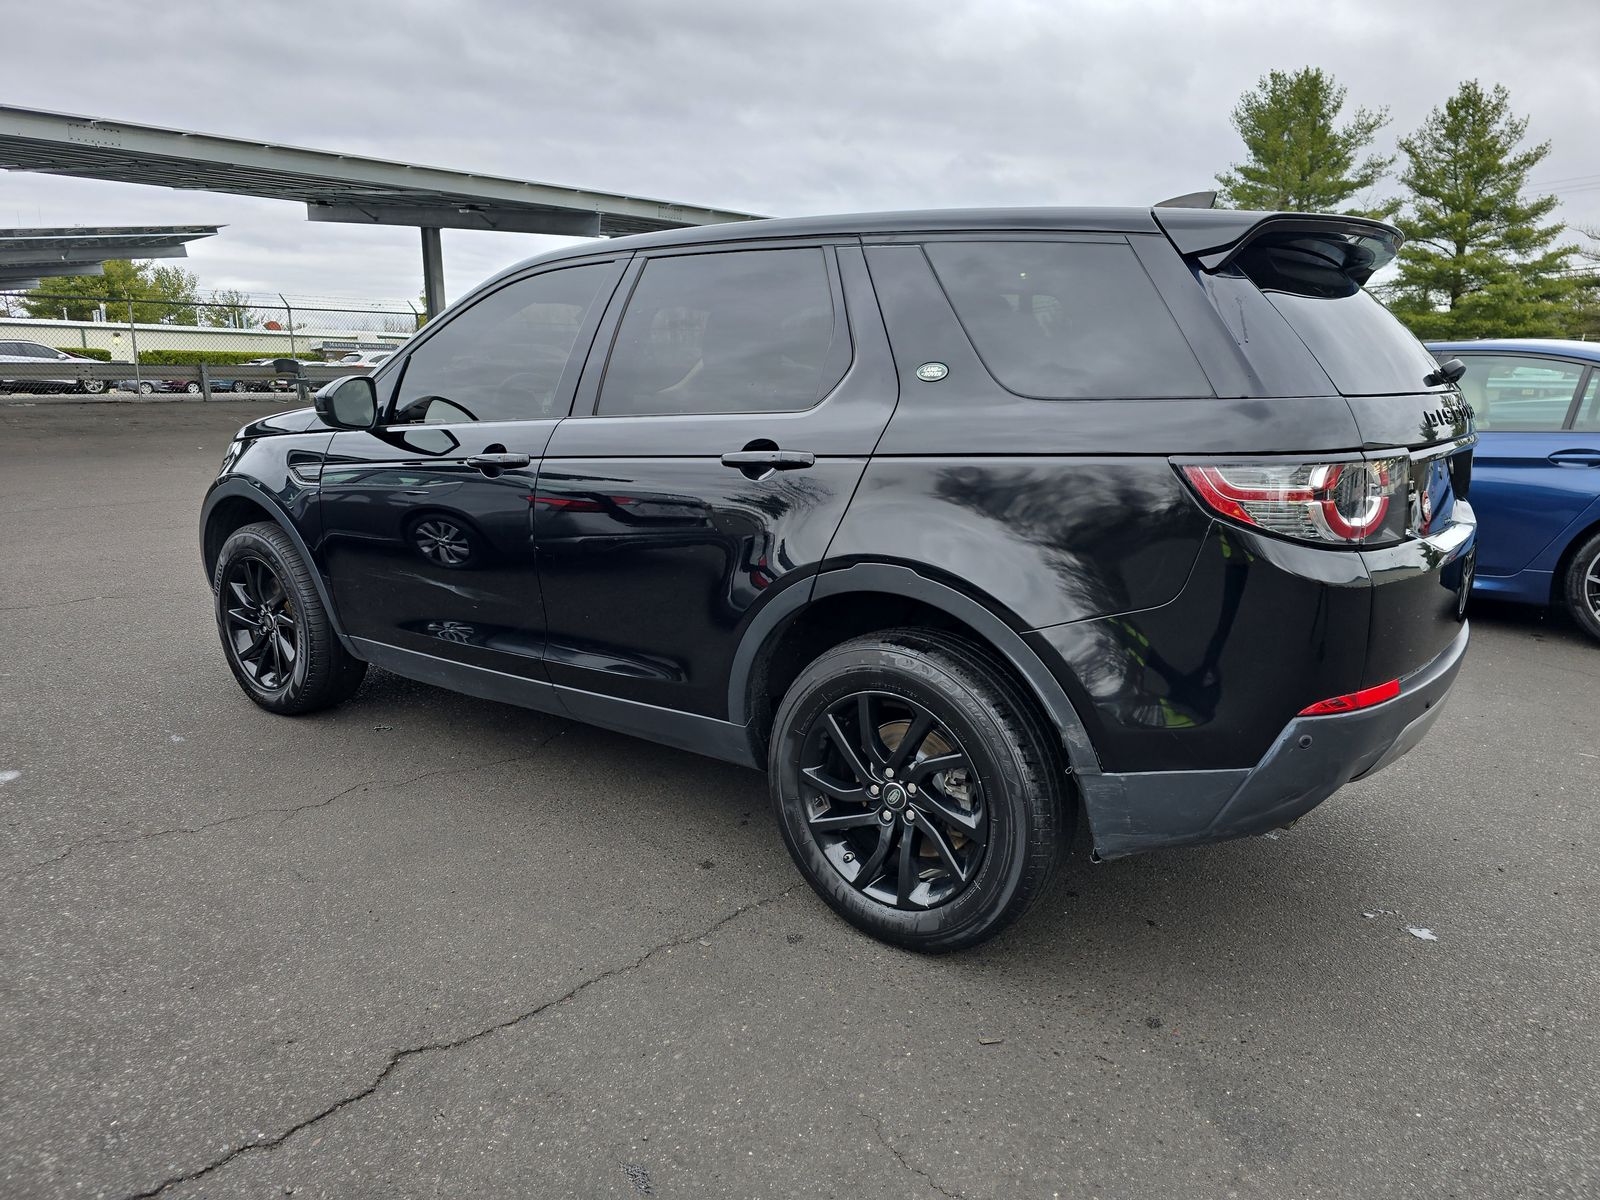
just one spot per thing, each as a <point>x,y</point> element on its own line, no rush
<point>238,487</point>
<point>886,578</point>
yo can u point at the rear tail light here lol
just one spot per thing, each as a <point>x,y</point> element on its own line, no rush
<point>1342,504</point>
<point>1365,698</point>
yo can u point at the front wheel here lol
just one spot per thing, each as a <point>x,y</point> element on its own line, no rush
<point>1582,586</point>
<point>192,389</point>
<point>93,387</point>
<point>917,789</point>
<point>146,389</point>
<point>275,632</point>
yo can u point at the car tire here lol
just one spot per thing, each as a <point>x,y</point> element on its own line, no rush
<point>1004,787</point>
<point>239,385</point>
<point>93,387</point>
<point>146,389</point>
<point>276,634</point>
<point>1581,586</point>
<point>192,389</point>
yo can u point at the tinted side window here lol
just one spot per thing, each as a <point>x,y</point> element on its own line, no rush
<point>1067,320</point>
<point>744,331</point>
<point>501,359</point>
<point>1518,392</point>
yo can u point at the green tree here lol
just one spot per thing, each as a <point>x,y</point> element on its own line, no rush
<point>229,309</point>
<point>1480,260</point>
<point>1301,159</point>
<point>160,294</point>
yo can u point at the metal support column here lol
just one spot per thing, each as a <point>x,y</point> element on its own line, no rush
<point>432,271</point>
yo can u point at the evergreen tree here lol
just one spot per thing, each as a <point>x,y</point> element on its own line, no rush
<point>1480,260</point>
<point>1300,158</point>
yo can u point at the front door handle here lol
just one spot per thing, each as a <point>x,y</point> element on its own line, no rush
<point>498,462</point>
<point>768,460</point>
<point>1576,458</point>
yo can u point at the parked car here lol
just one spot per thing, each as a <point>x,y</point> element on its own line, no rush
<point>1536,472</point>
<point>34,353</point>
<point>223,381</point>
<point>146,387</point>
<point>369,359</point>
<point>955,522</point>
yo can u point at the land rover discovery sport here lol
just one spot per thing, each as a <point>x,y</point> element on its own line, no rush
<point>959,524</point>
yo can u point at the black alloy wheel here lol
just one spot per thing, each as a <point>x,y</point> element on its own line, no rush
<point>262,636</point>
<point>279,640</point>
<point>918,788</point>
<point>895,805</point>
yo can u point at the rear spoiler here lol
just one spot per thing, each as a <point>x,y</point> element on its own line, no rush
<point>1214,238</point>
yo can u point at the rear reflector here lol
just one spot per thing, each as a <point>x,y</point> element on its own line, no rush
<point>1365,698</point>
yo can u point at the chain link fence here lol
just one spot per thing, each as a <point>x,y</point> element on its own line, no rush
<point>151,338</point>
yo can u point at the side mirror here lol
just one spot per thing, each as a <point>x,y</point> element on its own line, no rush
<point>1451,370</point>
<point>349,402</point>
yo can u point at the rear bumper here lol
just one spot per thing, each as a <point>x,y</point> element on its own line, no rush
<point>1310,760</point>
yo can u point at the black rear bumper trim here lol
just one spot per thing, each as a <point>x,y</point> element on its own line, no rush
<point>1310,760</point>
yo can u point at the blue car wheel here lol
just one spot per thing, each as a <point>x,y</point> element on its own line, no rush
<point>1583,586</point>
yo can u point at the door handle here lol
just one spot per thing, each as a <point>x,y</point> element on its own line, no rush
<point>498,462</point>
<point>1576,458</point>
<point>769,460</point>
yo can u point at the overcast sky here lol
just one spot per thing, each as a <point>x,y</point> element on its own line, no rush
<point>783,109</point>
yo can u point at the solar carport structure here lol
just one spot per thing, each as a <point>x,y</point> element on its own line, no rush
<point>333,187</point>
<point>29,255</point>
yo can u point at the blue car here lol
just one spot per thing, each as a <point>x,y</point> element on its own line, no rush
<point>1536,472</point>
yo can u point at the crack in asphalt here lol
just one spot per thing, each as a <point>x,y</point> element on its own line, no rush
<point>400,1056</point>
<point>13,608</point>
<point>877,1125</point>
<point>291,811</point>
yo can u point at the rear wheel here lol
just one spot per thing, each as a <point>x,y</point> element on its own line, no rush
<point>240,385</point>
<point>275,632</point>
<point>192,388</point>
<point>93,387</point>
<point>917,789</point>
<point>1582,586</point>
<point>146,389</point>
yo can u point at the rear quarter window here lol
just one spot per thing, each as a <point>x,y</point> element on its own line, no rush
<point>1067,320</point>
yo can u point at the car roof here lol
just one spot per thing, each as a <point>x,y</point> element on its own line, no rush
<point>1568,347</point>
<point>1190,229</point>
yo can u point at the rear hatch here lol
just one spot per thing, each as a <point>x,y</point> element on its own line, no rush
<point>1311,272</point>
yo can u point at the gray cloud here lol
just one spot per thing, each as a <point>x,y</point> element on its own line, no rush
<point>781,108</point>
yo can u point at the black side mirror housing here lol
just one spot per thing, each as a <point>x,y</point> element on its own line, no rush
<point>349,402</point>
<point>1449,371</point>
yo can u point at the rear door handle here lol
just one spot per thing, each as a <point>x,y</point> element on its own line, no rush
<point>498,462</point>
<point>769,460</point>
<point>1576,458</point>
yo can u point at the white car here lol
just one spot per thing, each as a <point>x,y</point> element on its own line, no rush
<point>365,360</point>
<point>34,353</point>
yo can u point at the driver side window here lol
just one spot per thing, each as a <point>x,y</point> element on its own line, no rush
<point>501,359</point>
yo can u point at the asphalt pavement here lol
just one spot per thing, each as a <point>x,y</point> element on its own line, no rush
<point>426,945</point>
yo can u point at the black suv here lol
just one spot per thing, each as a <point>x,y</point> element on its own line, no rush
<point>951,521</point>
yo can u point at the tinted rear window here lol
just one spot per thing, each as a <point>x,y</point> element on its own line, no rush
<point>1067,320</point>
<point>1358,342</point>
